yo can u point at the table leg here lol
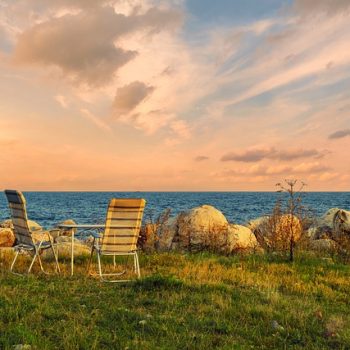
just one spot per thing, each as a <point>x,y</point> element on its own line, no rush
<point>72,253</point>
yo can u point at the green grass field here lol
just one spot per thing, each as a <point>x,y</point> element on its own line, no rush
<point>199,301</point>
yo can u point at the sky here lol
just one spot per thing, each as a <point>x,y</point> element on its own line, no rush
<point>174,95</point>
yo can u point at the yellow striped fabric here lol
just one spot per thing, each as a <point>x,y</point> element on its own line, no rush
<point>17,205</point>
<point>123,223</point>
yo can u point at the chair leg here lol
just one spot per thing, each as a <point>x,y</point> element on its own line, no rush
<point>90,260</point>
<point>13,262</point>
<point>99,265</point>
<point>32,263</point>
<point>56,258</point>
<point>41,264</point>
<point>138,265</point>
<point>107,276</point>
<point>135,264</point>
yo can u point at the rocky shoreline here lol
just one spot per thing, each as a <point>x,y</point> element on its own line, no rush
<point>206,228</point>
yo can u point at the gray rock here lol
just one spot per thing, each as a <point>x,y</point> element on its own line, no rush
<point>166,233</point>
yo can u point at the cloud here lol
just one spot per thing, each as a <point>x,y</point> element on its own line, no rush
<point>200,158</point>
<point>252,155</point>
<point>95,120</point>
<point>83,46</point>
<point>312,7</point>
<point>266,171</point>
<point>181,129</point>
<point>62,100</point>
<point>339,134</point>
<point>129,96</point>
<point>258,154</point>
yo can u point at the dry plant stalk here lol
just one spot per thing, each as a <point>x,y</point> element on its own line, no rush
<point>149,233</point>
<point>288,229</point>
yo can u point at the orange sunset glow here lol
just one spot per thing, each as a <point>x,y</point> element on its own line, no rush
<point>174,95</point>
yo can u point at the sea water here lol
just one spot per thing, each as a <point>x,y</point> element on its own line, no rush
<point>50,208</point>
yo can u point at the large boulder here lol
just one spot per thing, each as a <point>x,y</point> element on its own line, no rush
<point>332,224</point>
<point>323,226</point>
<point>276,231</point>
<point>341,225</point>
<point>200,228</point>
<point>240,238</point>
<point>327,218</point>
<point>7,237</point>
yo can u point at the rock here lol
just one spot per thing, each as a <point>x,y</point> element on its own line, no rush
<point>332,224</point>
<point>323,245</point>
<point>66,239</point>
<point>341,225</point>
<point>323,227</point>
<point>166,233</point>
<point>327,218</point>
<point>276,326</point>
<point>276,230</point>
<point>64,249</point>
<point>7,237</point>
<point>40,236</point>
<point>258,223</point>
<point>22,347</point>
<point>67,231</point>
<point>240,238</point>
<point>6,224</point>
<point>33,226</point>
<point>201,228</point>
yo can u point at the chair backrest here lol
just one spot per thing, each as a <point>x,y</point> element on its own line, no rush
<point>17,205</point>
<point>123,223</point>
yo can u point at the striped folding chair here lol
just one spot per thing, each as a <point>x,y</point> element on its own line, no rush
<point>122,229</point>
<point>25,242</point>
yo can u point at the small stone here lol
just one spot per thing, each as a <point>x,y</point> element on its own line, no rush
<point>142,322</point>
<point>22,347</point>
<point>276,326</point>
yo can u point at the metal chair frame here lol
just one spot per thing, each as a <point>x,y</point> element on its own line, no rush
<point>36,249</point>
<point>96,247</point>
<point>117,247</point>
<point>25,242</point>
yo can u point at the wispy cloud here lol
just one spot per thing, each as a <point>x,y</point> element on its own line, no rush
<point>258,154</point>
<point>339,134</point>
<point>313,7</point>
<point>62,100</point>
<point>201,158</point>
<point>95,120</point>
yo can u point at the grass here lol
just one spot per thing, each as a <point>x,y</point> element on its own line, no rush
<point>198,301</point>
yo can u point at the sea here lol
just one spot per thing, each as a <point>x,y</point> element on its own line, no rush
<point>50,208</point>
